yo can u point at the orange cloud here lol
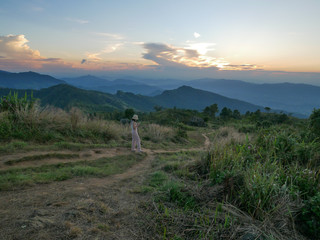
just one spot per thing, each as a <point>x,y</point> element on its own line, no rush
<point>15,53</point>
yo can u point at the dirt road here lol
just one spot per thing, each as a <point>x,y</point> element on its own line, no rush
<point>79,208</point>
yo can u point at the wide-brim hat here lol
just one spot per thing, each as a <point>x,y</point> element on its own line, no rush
<point>135,117</point>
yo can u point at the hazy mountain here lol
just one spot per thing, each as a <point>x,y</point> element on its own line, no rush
<point>166,83</point>
<point>121,81</point>
<point>188,97</point>
<point>66,96</point>
<point>300,98</point>
<point>27,80</point>
<point>136,89</point>
<point>87,81</point>
<point>94,83</point>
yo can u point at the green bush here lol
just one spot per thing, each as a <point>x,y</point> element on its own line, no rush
<point>309,219</point>
<point>315,122</point>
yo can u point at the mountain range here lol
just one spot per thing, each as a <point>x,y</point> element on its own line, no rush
<point>289,97</point>
<point>301,98</point>
<point>27,80</point>
<point>90,82</point>
<point>295,98</point>
<point>66,96</point>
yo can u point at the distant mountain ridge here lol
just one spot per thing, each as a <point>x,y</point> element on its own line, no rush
<point>27,80</point>
<point>191,98</point>
<point>66,96</point>
<point>291,97</point>
<point>90,82</point>
<point>295,98</point>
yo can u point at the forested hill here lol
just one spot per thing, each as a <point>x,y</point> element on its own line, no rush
<point>191,98</point>
<point>27,80</point>
<point>66,96</point>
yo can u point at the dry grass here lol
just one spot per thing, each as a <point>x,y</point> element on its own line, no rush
<point>226,135</point>
<point>51,117</point>
<point>156,133</point>
<point>279,225</point>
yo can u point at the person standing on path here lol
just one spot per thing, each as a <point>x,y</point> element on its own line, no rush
<point>135,136</point>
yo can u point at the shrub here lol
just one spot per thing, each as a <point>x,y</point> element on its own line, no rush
<point>315,121</point>
<point>310,217</point>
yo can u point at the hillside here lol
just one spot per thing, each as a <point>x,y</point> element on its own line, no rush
<point>66,96</point>
<point>300,98</point>
<point>144,103</point>
<point>188,97</point>
<point>27,80</point>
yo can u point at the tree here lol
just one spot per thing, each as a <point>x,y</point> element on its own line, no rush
<point>211,110</point>
<point>267,109</point>
<point>128,113</point>
<point>226,113</point>
<point>315,121</point>
<point>236,114</point>
<point>157,108</point>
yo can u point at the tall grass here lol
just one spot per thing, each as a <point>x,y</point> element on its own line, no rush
<point>273,176</point>
<point>156,133</point>
<point>52,124</point>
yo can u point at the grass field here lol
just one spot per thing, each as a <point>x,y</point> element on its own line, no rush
<point>76,178</point>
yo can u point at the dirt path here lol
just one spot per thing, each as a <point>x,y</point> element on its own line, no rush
<point>80,208</point>
<point>52,157</point>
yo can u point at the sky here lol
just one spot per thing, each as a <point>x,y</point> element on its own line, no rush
<point>253,40</point>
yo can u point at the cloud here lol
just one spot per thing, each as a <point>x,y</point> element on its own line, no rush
<point>112,42</point>
<point>191,56</point>
<point>94,56</point>
<point>49,59</point>
<point>167,55</point>
<point>83,61</point>
<point>16,53</point>
<point>76,20</point>
<point>242,67</point>
<point>15,46</point>
<point>113,36</point>
<point>108,49</point>
<point>202,48</point>
<point>196,35</point>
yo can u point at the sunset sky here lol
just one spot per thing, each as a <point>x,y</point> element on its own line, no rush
<point>254,40</point>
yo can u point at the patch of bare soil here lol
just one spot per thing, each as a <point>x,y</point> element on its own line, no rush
<point>80,208</point>
<point>88,155</point>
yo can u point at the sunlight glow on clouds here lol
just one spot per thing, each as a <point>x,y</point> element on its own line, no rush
<point>108,49</point>
<point>15,46</point>
<point>196,35</point>
<point>14,51</point>
<point>191,56</point>
<point>202,48</point>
